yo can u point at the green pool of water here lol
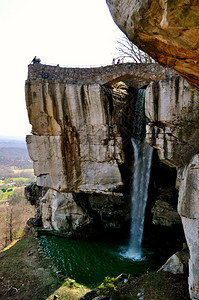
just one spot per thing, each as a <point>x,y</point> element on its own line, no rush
<point>88,262</point>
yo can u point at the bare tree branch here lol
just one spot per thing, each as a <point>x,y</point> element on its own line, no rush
<point>126,49</point>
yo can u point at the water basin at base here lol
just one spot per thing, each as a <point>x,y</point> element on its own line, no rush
<point>133,254</point>
<point>88,262</point>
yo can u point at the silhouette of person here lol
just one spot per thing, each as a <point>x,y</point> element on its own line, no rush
<point>113,61</point>
<point>36,60</point>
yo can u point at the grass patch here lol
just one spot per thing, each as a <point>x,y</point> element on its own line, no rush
<point>20,178</point>
<point>153,286</point>
<point>68,292</point>
<point>26,274</point>
<point>5,195</point>
<point>17,171</point>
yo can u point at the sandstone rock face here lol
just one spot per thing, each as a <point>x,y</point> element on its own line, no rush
<point>78,150</point>
<point>172,108</point>
<point>60,212</point>
<point>73,148</point>
<point>167,30</point>
<point>188,208</point>
<point>81,148</point>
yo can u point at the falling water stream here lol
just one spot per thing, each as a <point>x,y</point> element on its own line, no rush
<point>141,175</point>
<point>140,180</point>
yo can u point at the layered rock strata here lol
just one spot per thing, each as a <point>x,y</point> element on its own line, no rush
<point>167,30</point>
<point>73,147</point>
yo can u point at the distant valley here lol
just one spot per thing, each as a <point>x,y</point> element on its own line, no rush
<point>16,171</point>
<point>14,153</point>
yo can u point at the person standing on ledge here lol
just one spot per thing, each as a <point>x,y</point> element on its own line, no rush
<point>113,61</point>
<point>36,60</point>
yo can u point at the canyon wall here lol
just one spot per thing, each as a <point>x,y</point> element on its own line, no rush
<point>78,153</point>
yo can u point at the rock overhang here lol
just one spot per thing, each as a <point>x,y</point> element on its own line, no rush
<point>167,30</point>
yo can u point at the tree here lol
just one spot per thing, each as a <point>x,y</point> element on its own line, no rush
<point>13,217</point>
<point>126,49</point>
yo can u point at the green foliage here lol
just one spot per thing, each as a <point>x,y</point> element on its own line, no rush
<point>192,92</point>
<point>5,195</point>
<point>108,287</point>
<point>70,283</point>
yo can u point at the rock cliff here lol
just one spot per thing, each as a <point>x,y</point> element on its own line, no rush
<point>166,30</point>
<point>81,145</point>
<point>78,148</point>
<point>172,107</point>
<point>82,155</point>
<point>82,152</point>
<point>172,110</point>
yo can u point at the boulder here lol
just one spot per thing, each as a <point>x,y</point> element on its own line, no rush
<point>60,212</point>
<point>34,193</point>
<point>177,263</point>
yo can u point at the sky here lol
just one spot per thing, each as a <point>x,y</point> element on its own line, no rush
<point>73,33</point>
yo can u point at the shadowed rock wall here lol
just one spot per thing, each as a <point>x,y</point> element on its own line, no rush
<point>172,108</point>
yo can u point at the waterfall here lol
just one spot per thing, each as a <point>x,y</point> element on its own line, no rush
<point>140,180</point>
<point>141,176</point>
